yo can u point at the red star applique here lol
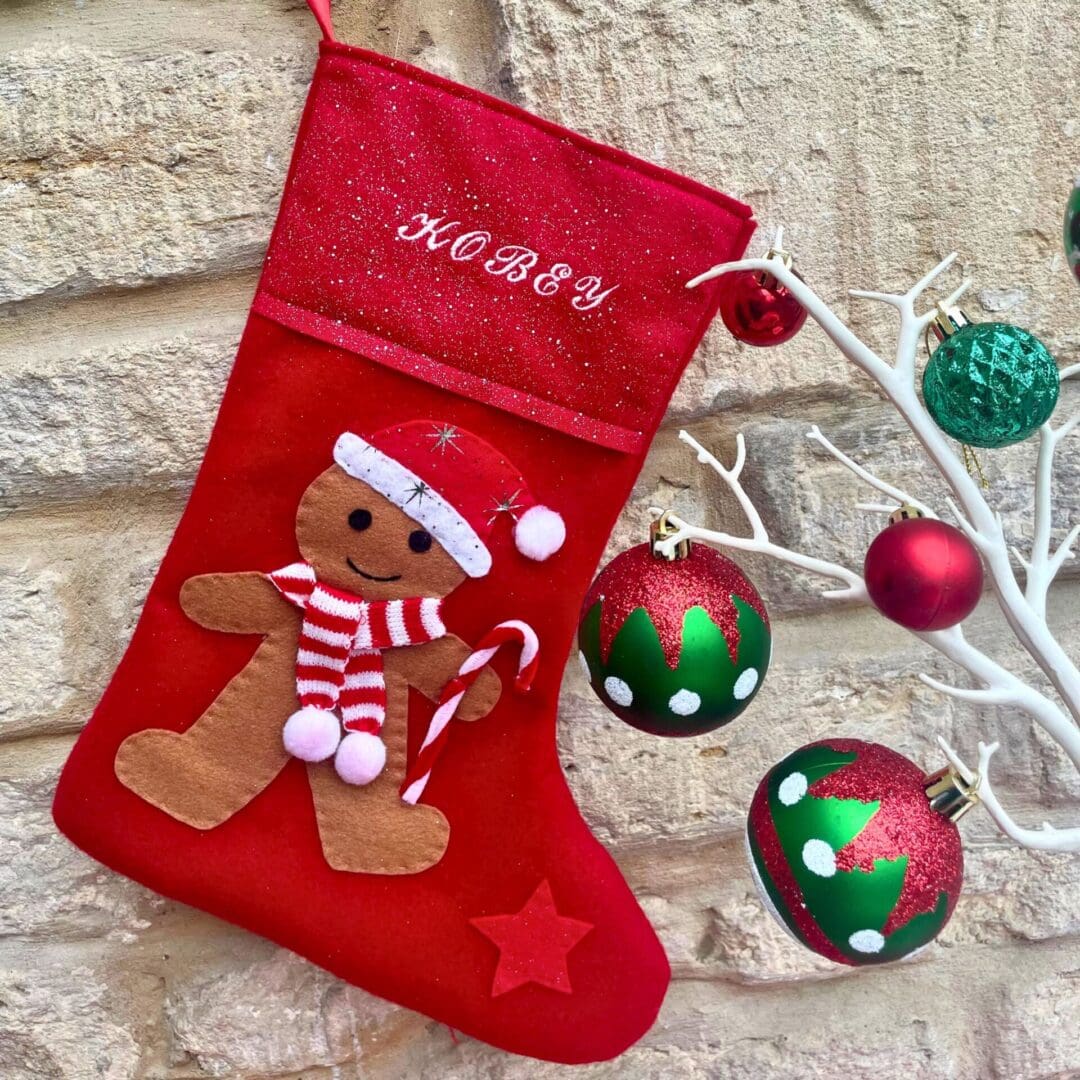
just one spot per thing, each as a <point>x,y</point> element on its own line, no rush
<point>533,943</point>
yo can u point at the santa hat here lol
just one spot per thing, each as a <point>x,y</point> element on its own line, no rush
<point>454,484</point>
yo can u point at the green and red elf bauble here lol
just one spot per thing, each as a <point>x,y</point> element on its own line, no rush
<point>855,849</point>
<point>1071,235</point>
<point>674,647</point>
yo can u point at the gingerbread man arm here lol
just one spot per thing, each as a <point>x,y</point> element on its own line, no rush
<point>243,603</point>
<point>430,666</point>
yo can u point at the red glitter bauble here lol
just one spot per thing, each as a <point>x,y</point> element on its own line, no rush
<point>758,310</point>
<point>849,854</point>
<point>923,574</point>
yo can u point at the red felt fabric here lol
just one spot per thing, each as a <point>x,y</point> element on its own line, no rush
<point>356,329</point>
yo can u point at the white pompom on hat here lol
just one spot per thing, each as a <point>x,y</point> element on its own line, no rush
<point>539,533</point>
<point>455,485</point>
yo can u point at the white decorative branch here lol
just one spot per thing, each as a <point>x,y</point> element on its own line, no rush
<point>897,381</point>
<point>1043,566</point>
<point>1025,610</point>
<point>854,586</point>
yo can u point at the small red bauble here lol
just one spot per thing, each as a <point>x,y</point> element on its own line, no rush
<point>759,310</point>
<point>923,574</point>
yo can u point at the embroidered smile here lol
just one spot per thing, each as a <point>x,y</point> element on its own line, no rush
<point>371,577</point>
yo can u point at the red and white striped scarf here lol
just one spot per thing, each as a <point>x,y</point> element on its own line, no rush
<point>339,658</point>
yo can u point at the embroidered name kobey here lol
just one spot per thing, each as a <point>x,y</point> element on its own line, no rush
<point>514,262</point>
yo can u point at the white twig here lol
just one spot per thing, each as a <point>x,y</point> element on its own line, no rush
<point>1019,556</point>
<point>1043,566</point>
<point>853,589</point>
<point>931,276</point>
<point>853,586</point>
<point>981,542</point>
<point>978,697</point>
<point>851,345</point>
<point>1045,838</point>
<point>1010,689</point>
<point>814,434</point>
<point>1064,550</point>
<point>898,300</point>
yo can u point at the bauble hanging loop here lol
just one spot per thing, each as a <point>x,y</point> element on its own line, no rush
<point>947,321</point>
<point>661,529</point>
<point>905,512</point>
<point>950,794</point>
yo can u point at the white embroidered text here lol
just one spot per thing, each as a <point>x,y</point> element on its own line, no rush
<point>514,262</point>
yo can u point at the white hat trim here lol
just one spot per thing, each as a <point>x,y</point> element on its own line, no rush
<point>417,499</point>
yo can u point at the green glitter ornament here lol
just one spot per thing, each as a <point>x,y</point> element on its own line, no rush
<point>1072,230</point>
<point>674,648</point>
<point>989,384</point>
<point>855,851</point>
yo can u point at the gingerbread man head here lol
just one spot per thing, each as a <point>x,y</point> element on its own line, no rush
<point>359,541</point>
<point>408,512</point>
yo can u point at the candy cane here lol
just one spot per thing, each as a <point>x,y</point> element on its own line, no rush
<point>506,633</point>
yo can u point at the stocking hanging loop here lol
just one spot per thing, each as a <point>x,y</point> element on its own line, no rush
<point>321,10</point>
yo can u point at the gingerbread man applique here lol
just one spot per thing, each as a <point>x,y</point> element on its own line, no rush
<point>396,524</point>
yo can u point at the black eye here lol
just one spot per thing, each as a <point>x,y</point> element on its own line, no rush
<point>360,519</point>
<point>420,541</point>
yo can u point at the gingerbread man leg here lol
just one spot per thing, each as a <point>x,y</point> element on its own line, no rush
<point>369,830</point>
<point>204,775</point>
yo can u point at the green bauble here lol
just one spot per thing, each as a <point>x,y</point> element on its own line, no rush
<point>849,855</point>
<point>674,648</point>
<point>1072,230</point>
<point>991,385</point>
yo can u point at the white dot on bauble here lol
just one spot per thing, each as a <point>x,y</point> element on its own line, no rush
<point>867,941</point>
<point>684,703</point>
<point>819,858</point>
<point>793,788</point>
<point>584,664</point>
<point>745,683</point>
<point>618,691</point>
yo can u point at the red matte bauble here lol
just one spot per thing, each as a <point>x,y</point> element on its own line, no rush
<point>758,310</point>
<point>923,574</point>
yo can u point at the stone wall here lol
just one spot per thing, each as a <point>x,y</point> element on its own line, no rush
<point>142,150</point>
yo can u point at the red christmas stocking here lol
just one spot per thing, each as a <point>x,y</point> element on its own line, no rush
<point>467,329</point>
